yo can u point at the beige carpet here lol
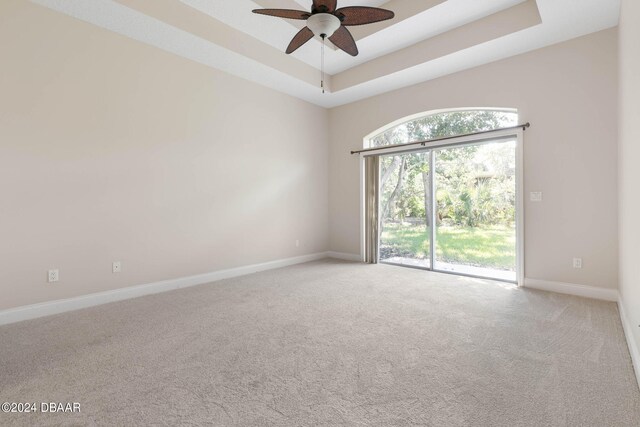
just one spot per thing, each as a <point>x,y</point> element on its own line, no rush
<point>328,343</point>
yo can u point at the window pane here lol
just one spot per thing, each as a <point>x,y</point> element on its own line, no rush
<point>405,198</point>
<point>445,124</point>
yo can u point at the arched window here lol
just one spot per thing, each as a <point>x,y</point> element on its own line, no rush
<point>449,205</point>
<point>440,124</point>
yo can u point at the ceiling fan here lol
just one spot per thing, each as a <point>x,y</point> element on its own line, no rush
<point>326,21</point>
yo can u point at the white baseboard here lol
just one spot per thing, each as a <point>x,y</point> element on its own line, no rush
<point>634,350</point>
<point>48,308</point>
<point>573,289</point>
<point>344,256</point>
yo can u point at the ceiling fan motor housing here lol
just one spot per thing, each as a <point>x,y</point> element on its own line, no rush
<point>323,24</point>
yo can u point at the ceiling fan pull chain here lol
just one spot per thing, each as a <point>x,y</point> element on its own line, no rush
<point>322,65</point>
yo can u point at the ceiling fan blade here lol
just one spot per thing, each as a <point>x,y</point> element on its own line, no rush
<point>329,4</point>
<point>343,39</point>
<point>361,15</point>
<point>284,13</point>
<point>303,36</point>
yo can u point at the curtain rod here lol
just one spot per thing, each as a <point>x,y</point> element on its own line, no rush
<point>424,143</point>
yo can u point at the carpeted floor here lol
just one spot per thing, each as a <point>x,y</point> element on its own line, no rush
<point>328,343</point>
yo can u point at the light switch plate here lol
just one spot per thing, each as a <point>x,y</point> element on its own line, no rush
<point>117,267</point>
<point>536,196</point>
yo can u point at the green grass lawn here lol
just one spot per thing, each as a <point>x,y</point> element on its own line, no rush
<point>491,246</point>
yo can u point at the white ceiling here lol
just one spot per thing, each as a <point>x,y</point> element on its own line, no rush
<point>278,32</point>
<point>429,39</point>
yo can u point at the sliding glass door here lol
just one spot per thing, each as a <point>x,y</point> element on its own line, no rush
<point>476,210</point>
<point>451,209</point>
<point>405,209</point>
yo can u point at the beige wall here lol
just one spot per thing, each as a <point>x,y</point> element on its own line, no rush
<point>568,93</point>
<point>630,164</point>
<point>114,150</point>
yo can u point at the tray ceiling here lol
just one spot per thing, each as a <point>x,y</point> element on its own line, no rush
<point>426,40</point>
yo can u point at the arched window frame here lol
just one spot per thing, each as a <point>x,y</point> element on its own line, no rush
<point>517,132</point>
<point>418,116</point>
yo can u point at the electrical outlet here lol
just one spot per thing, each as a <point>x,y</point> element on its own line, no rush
<point>53,276</point>
<point>297,243</point>
<point>577,263</point>
<point>117,267</point>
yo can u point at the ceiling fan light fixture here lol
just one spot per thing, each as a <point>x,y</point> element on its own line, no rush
<point>323,24</point>
<point>327,21</point>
